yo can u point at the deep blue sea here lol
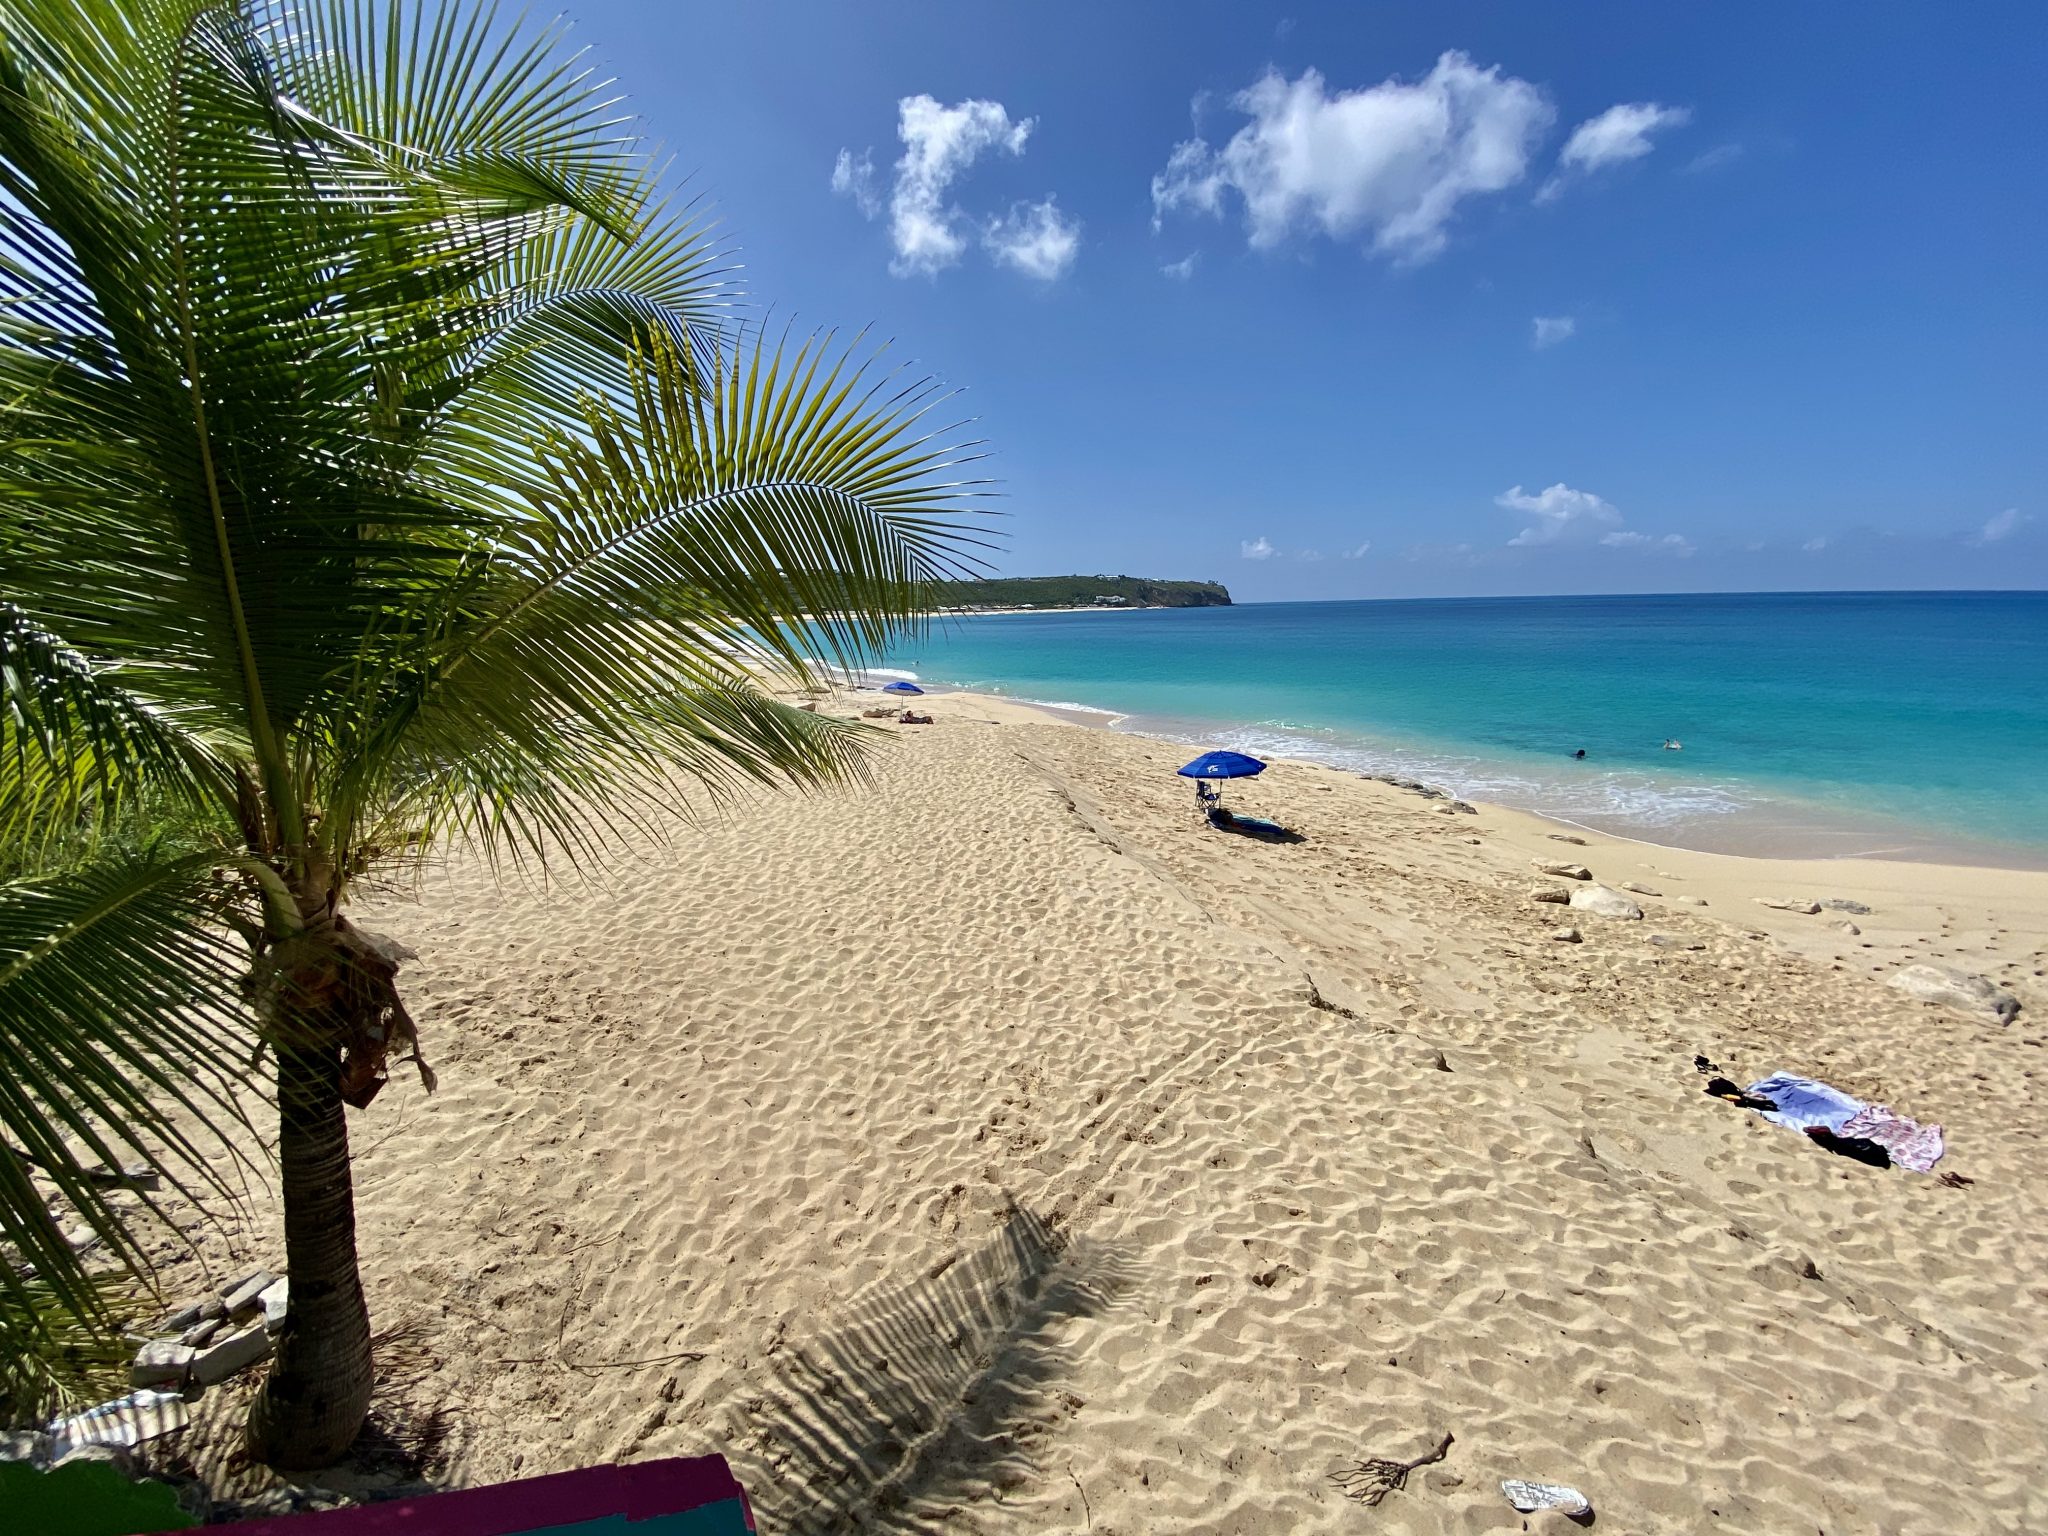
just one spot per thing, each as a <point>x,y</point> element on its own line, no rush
<point>1902,724</point>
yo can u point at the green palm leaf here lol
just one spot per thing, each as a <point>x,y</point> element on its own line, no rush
<point>120,1004</point>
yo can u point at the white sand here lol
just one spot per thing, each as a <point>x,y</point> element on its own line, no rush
<point>980,1129</point>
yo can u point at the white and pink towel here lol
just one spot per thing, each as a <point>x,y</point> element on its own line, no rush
<point>1911,1144</point>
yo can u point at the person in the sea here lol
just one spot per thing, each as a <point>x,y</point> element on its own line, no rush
<point>1580,753</point>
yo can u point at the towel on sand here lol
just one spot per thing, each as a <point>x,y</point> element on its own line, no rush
<point>1802,1102</point>
<point>1911,1144</point>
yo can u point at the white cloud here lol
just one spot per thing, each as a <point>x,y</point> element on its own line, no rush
<point>928,232</point>
<point>1815,545</point>
<point>1628,538</point>
<point>1180,270</point>
<point>1566,516</point>
<point>1358,553</point>
<point>1562,514</point>
<point>1549,330</point>
<point>1035,239</point>
<point>1310,554</point>
<point>1256,549</point>
<point>2002,525</point>
<point>1391,161</point>
<point>856,179</point>
<point>1616,136</point>
<point>1619,134</point>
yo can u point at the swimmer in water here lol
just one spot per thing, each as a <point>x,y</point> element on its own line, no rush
<point>1674,746</point>
<point>1580,753</point>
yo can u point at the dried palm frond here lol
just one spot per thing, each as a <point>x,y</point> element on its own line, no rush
<point>1372,1480</point>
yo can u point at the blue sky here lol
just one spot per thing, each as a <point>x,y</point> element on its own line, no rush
<point>1356,300</point>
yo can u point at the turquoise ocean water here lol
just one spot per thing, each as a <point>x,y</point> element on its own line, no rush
<point>1900,724</point>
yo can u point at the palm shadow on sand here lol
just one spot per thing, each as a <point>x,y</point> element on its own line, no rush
<point>931,1395</point>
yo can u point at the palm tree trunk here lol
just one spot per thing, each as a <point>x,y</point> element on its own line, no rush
<point>318,1393</point>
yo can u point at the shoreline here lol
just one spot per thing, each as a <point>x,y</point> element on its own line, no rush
<point>1920,899</point>
<point>1813,832</point>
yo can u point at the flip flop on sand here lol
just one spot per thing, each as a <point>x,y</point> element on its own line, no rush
<point>1530,1497</point>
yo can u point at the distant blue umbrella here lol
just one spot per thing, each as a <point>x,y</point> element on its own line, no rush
<point>901,687</point>
<point>1222,765</point>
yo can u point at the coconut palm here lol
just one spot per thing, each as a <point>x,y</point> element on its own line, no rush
<point>381,463</point>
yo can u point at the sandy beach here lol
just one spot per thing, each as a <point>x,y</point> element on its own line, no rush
<point>993,1147</point>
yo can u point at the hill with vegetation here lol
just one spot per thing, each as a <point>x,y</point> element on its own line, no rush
<point>1082,592</point>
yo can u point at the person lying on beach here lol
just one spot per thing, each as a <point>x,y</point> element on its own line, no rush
<point>907,718</point>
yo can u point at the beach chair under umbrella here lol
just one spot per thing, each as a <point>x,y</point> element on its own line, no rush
<point>1212,767</point>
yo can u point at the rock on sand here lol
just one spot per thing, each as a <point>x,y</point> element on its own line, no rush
<point>1956,989</point>
<point>1602,902</point>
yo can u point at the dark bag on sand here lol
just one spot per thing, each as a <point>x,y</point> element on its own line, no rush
<point>1862,1150</point>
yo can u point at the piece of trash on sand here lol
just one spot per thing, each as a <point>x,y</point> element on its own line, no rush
<point>1530,1497</point>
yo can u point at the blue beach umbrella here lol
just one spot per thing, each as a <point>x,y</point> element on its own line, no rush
<point>1217,765</point>
<point>900,686</point>
<point>1221,765</point>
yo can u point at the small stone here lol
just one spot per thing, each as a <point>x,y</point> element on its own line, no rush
<point>1639,888</point>
<point>182,1319</point>
<point>1843,925</point>
<point>235,1352</point>
<point>1565,837</point>
<point>1464,808</point>
<point>161,1361</point>
<point>1690,901</point>
<point>1842,904</point>
<point>1566,935</point>
<point>199,1333</point>
<point>244,1295</point>
<point>1602,902</point>
<point>244,1278</point>
<point>212,1308</point>
<point>276,1304</point>
<point>1569,871</point>
<point>1556,893</point>
<point>1789,904</point>
<point>1674,941</point>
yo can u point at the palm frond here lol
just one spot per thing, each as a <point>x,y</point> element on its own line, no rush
<point>119,1006</point>
<point>803,507</point>
<point>78,751</point>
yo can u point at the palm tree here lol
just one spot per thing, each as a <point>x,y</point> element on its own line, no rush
<point>381,463</point>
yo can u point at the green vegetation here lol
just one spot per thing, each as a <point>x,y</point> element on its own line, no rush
<point>381,463</point>
<point>1081,592</point>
